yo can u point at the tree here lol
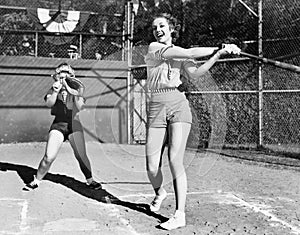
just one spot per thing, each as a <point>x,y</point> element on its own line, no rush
<point>203,22</point>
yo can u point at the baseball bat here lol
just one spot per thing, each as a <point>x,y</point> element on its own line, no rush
<point>276,63</point>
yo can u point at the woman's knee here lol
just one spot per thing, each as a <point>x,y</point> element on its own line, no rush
<point>48,159</point>
<point>176,165</point>
<point>152,168</point>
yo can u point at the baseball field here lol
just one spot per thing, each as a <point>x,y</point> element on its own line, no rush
<point>229,192</point>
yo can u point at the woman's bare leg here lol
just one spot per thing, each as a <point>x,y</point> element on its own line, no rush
<point>77,142</point>
<point>154,150</point>
<point>178,135</point>
<point>54,143</point>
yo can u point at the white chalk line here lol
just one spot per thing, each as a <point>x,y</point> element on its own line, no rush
<point>23,224</point>
<point>267,213</point>
<point>238,201</point>
<point>115,212</point>
<point>24,209</point>
<point>145,195</point>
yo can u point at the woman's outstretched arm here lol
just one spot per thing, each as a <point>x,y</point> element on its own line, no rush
<point>197,71</point>
<point>176,52</point>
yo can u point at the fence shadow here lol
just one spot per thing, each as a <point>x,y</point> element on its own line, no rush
<point>26,174</point>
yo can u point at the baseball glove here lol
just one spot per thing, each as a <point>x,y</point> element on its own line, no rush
<point>75,86</point>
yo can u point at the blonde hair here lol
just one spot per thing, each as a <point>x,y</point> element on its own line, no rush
<point>65,67</point>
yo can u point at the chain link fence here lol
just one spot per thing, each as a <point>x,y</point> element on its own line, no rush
<point>224,105</point>
<point>234,105</point>
<point>54,29</point>
<point>281,98</point>
<point>230,107</point>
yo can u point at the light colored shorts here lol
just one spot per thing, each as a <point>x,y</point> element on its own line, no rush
<point>168,107</point>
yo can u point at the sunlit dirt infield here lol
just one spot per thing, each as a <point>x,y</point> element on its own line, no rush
<point>226,195</point>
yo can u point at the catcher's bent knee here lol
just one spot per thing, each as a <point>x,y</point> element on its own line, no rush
<point>48,159</point>
<point>153,170</point>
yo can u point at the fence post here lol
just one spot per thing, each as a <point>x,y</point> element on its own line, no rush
<point>260,77</point>
<point>36,45</point>
<point>80,45</point>
<point>129,19</point>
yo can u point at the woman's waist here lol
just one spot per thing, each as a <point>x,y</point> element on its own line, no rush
<point>162,90</point>
<point>66,118</point>
<point>166,95</point>
<point>162,81</point>
<point>159,84</point>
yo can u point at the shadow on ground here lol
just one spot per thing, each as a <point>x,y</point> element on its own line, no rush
<point>26,174</point>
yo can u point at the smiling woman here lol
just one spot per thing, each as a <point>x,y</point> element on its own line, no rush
<point>163,23</point>
<point>169,114</point>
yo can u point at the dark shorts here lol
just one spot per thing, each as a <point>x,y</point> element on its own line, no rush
<point>167,108</point>
<point>66,128</point>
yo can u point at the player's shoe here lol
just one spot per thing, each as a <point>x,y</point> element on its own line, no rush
<point>157,201</point>
<point>176,221</point>
<point>95,185</point>
<point>32,185</point>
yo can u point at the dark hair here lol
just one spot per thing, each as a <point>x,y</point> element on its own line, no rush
<point>173,23</point>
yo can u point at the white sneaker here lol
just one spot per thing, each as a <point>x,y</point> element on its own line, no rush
<point>176,221</point>
<point>156,203</point>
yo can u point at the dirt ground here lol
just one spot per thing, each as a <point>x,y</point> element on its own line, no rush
<point>226,195</point>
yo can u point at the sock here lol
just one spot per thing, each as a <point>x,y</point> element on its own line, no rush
<point>89,180</point>
<point>36,181</point>
<point>179,213</point>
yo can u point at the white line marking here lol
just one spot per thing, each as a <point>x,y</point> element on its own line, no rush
<point>152,194</point>
<point>24,205</point>
<point>265,212</point>
<point>11,199</point>
<point>115,212</point>
<point>227,197</point>
<point>129,227</point>
<point>23,224</point>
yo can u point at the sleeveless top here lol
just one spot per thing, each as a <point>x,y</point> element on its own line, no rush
<point>63,111</point>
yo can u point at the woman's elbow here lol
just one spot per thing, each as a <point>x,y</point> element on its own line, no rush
<point>49,103</point>
<point>80,106</point>
<point>189,54</point>
<point>199,73</point>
